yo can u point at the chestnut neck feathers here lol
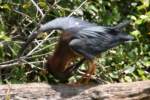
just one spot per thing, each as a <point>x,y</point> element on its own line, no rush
<point>61,57</point>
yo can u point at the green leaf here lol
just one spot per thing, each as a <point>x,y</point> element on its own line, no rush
<point>136,33</point>
<point>4,37</point>
<point>128,79</point>
<point>146,63</point>
<point>43,4</point>
<point>5,6</point>
<point>145,4</point>
<point>129,70</point>
<point>114,75</point>
<point>140,72</point>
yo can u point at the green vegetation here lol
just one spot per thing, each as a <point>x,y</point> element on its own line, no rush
<point>125,63</point>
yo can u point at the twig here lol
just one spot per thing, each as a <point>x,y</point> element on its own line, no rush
<point>39,50</point>
<point>23,57</point>
<point>1,21</point>
<point>22,42</point>
<point>23,14</point>
<point>40,43</point>
<point>26,62</point>
<point>38,8</point>
<point>78,8</point>
<point>17,63</point>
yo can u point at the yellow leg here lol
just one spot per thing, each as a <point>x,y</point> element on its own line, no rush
<point>91,70</point>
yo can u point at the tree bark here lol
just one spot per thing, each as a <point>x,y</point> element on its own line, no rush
<point>42,91</point>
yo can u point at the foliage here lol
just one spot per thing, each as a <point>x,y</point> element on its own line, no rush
<point>125,63</point>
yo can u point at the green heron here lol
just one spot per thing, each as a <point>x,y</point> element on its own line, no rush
<point>79,39</point>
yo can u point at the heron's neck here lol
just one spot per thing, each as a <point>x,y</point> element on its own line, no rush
<point>61,58</point>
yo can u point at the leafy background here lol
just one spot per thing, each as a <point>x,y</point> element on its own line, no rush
<point>125,63</point>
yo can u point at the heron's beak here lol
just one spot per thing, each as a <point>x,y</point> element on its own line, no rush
<point>29,40</point>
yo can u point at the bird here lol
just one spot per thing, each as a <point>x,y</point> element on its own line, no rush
<point>79,39</point>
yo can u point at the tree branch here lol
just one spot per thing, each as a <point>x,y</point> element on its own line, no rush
<point>41,91</point>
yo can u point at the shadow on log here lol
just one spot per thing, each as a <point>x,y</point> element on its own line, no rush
<point>42,91</point>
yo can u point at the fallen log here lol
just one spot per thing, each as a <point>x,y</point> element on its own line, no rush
<point>41,91</point>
